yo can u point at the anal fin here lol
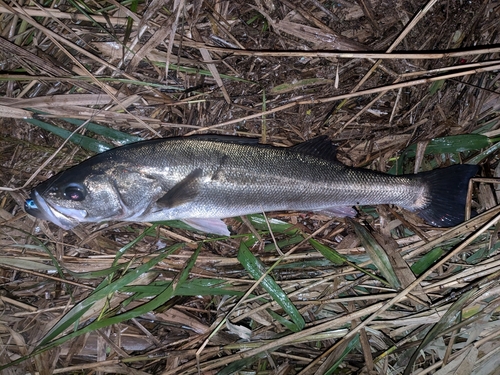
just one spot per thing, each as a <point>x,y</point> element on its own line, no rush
<point>338,211</point>
<point>214,226</point>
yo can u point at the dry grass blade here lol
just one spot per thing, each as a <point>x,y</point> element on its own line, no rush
<point>401,86</point>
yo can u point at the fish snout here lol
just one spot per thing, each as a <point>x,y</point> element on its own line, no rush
<point>39,208</point>
<point>31,208</point>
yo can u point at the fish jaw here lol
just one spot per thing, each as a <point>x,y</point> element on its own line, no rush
<point>61,216</point>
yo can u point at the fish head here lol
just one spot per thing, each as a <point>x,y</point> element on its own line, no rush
<point>92,193</point>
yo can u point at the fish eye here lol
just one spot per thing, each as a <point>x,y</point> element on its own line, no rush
<point>74,193</point>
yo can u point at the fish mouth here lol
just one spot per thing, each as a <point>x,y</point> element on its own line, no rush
<point>61,216</point>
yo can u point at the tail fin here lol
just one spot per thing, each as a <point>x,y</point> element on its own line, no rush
<point>447,194</point>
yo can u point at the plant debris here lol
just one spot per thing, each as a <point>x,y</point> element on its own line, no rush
<point>401,86</point>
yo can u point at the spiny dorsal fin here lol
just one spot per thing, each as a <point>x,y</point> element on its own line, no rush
<point>182,192</point>
<point>320,147</point>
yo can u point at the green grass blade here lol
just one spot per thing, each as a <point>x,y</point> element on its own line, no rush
<point>377,255</point>
<point>96,274</point>
<point>102,292</point>
<point>277,226</point>
<point>78,139</point>
<point>452,144</point>
<point>284,322</point>
<point>237,366</point>
<point>84,9</point>
<point>207,287</point>
<point>149,231</point>
<point>485,154</point>
<point>40,246</point>
<point>328,253</point>
<point>26,264</point>
<point>116,135</point>
<point>129,27</point>
<point>287,241</point>
<point>168,292</point>
<point>187,269</point>
<point>336,259</point>
<point>256,269</point>
<point>436,86</point>
<point>349,348</point>
<point>424,263</point>
<point>448,319</point>
<point>196,287</point>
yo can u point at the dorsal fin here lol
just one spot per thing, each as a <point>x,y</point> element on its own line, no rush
<point>320,147</point>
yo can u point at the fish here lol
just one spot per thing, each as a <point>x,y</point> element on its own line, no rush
<point>205,178</point>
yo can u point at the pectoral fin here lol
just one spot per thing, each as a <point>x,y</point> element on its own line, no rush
<point>215,226</point>
<point>183,192</point>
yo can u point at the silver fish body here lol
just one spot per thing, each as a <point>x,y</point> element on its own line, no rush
<point>203,179</point>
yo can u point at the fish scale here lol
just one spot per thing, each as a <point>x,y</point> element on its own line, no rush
<point>202,179</point>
